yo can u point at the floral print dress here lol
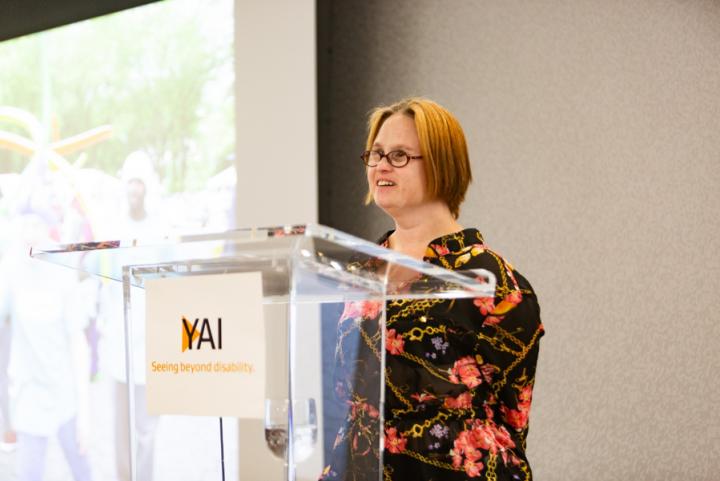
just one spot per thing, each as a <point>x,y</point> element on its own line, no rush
<point>459,376</point>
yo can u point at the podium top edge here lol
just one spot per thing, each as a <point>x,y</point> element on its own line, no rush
<point>249,234</point>
<point>181,249</point>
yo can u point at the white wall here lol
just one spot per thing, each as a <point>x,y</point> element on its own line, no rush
<point>276,122</point>
<point>276,152</point>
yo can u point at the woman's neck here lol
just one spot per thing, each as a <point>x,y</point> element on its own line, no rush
<point>413,231</point>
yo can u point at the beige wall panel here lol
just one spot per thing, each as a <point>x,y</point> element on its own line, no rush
<point>276,113</point>
<point>594,132</point>
<point>276,160</point>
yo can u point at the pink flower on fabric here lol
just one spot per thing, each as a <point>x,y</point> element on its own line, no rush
<point>352,310</point>
<point>487,370</point>
<point>423,397</point>
<point>525,395</point>
<point>460,446</point>
<point>464,447</point>
<point>441,250</point>
<point>514,297</point>
<point>485,304</point>
<point>489,413</point>
<point>483,437</point>
<point>359,408</point>
<point>364,309</point>
<point>498,438</point>
<point>473,469</point>
<point>502,437</point>
<point>489,437</point>
<point>465,370</point>
<point>463,401</point>
<point>517,418</point>
<point>394,442</point>
<point>394,343</point>
<point>370,309</point>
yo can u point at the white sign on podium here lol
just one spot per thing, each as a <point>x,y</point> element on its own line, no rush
<point>205,349</point>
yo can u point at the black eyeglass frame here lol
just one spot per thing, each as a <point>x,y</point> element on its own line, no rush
<point>366,158</point>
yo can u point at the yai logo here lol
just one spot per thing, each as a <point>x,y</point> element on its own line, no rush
<point>190,334</point>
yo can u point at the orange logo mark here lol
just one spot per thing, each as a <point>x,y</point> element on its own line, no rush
<point>188,328</point>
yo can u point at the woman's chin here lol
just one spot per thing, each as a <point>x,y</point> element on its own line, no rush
<point>382,204</point>
<point>390,209</point>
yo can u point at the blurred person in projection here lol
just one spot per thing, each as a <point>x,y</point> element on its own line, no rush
<point>136,221</point>
<point>49,360</point>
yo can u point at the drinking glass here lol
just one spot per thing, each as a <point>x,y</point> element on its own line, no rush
<point>304,424</point>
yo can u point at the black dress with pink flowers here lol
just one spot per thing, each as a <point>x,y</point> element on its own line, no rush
<point>459,377</point>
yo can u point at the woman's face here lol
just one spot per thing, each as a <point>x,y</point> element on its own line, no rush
<point>398,189</point>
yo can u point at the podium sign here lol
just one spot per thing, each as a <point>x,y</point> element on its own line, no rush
<point>205,352</point>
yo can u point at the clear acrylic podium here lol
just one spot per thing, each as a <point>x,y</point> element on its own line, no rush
<point>310,274</point>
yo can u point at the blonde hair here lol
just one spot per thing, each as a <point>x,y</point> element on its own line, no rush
<point>442,145</point>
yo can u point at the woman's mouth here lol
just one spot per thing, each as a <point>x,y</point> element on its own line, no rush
<point>384,183</point>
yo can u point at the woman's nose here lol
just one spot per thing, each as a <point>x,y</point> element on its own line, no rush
<point>384,164</point>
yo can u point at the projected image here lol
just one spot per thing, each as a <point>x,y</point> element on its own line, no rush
<point>119,127</point>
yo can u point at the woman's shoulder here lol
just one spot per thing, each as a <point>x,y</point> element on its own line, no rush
<point>515,306</point>
<point>467,252</point>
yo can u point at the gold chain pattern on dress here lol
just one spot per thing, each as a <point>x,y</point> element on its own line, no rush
<point>445,263</point>
<point>526,470</point>
<point>387,473</point>
<point>411,306</point>
<point>523,441</point>
<point>418,333</point>
<point>490,474</point>
<point>497,343</point>
<point>432,462</point>
<point>399,394</point>
<point>370,342</point>
<point>507,335</point>
<point>501,268</point>
<point>499,384</point>
<point>416,431</point>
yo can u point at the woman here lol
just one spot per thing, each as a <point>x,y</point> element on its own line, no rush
<point>457,399</point>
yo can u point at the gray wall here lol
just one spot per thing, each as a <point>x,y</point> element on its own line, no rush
<point>593,132</point>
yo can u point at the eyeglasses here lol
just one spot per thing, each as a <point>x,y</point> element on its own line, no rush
<point>397,158</point>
